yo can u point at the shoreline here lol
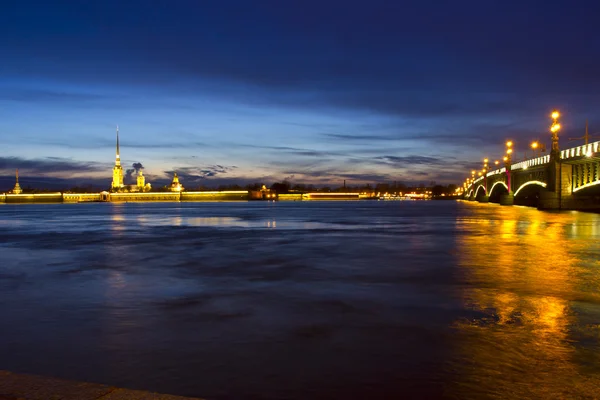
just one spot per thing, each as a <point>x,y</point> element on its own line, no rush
<point>17,386</point>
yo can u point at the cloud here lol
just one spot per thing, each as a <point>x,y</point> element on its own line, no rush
<point>49,165</point>
<point>410,161</point>
<point>197,175</point>
<point>136,167</point>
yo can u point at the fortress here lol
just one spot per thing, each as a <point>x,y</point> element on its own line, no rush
<point>140,192</point>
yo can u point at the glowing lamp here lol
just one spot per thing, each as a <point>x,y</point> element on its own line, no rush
<point>509,143</point>
<point>555,115</point>
<point>509,151</point>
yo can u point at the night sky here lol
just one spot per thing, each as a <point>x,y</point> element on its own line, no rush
<point>310,91</point>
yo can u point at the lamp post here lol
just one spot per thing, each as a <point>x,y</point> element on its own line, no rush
<point>507,163</point>
<point>485,170</point>
<point>554,128</point>
<point>534,147</point>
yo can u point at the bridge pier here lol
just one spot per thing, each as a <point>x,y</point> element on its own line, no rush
<point>549,201</point>
<point>484,199</point>
<point>507,199</point>
<point>559,196</point>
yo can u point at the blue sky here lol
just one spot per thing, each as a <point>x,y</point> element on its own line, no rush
<point>316,92</point>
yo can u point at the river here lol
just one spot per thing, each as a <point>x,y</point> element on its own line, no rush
<point>304,300</point>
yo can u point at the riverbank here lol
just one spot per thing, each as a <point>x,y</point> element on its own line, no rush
<point>15,386</point>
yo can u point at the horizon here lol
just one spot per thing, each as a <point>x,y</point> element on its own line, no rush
<point>315,93</point>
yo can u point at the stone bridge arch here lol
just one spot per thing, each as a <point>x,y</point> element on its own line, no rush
<point>529,193</point>
<point>498,189</point>
<point>479,192</point>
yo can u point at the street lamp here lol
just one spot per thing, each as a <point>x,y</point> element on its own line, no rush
<point>485,170</point>
<point>554,128</point>
<point>507,162</point>
<point>534,147</point>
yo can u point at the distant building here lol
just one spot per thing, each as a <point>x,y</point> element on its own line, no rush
<point>17,189</point>
<point>175,185</point>
<point>117,182</point>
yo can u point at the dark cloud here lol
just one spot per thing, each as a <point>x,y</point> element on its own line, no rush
<point>196,176</point>
<point>410,161</point>
<point>40,182</point>
<point>129,173</point>
<point>42,96</point>
<point>49,165</point>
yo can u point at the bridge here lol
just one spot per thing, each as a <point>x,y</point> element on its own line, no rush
<point>564,179</point>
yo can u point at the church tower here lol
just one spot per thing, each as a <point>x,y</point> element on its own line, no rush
<point>141,180</point>
<point>175,185</point>
<point>17,189</point>
<point>117,182</point>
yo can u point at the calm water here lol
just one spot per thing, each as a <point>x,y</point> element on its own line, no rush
<point>361,300</point>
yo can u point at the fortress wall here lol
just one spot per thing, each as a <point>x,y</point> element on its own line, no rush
<point>241,195</point>
<point>290,197</point>
<point>34,198</point>
<point>331,196</point>
<point>81,197</point>
<point>150,196</point>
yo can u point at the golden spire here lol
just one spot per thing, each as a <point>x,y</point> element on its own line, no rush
<point>118,159</point>
<point>17,189</point>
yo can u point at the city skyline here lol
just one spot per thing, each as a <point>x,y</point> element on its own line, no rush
<point>313,93</point>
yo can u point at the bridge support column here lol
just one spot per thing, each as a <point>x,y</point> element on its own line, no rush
<point>559,195</point>
<point>549,201</point>
<point>484,199</point>
<point>507,199</point>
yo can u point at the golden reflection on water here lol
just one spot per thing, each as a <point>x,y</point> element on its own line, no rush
<point>525,275</point>
<point>117,221</point>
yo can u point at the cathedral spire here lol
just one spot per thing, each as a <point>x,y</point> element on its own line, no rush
<point>17,189</point>
<point>117,182</point>
<point>118,152</point>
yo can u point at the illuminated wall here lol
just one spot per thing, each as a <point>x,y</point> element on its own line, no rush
<point>34,198</point>
<point>215,196</point>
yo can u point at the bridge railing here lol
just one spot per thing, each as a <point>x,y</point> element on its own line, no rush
<point>530,163</point>
<point>496,172</point>
<point>580,151</point>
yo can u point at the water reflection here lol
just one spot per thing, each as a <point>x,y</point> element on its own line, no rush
<point>521,282</point>
<point>352,300</point>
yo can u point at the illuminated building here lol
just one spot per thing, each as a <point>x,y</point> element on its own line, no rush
<point>175,185</point>
<point>117,182</point>
<point>17,189</point>
<point>142,186</point>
